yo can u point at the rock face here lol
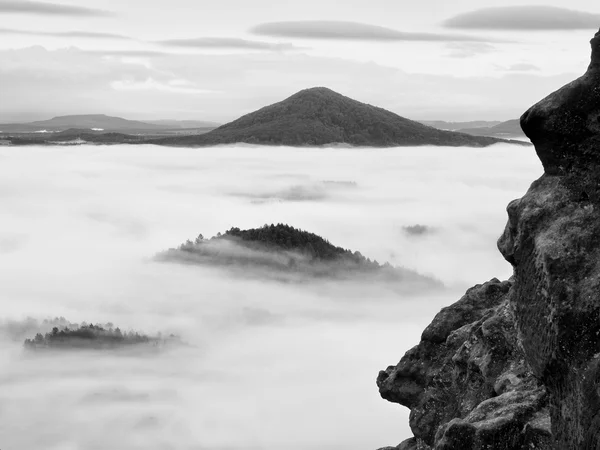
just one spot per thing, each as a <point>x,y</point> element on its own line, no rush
<point>565,126</point>
<point>467,382</point>
<point>516,364</point>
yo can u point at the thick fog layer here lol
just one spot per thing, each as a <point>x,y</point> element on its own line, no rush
<point>269,365</point>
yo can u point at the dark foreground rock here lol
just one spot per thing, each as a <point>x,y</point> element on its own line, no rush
<point>565,126</point>
<point>467,383</point>
<point>516,365</point>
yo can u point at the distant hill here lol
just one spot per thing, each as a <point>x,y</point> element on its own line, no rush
<point>87,121</point>
<point>507,130</point>
<point>184,123</point>
<point>77,136</point>
<point>102,122</point>
<point>320,116</point>
<point>74,336</point>
<point>312,117</point>
<point>96,121</point>
<point>459,126</point>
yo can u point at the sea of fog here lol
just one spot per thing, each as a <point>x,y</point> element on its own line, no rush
<point>269,365</point>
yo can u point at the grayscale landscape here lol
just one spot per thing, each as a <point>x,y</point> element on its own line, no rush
<point>283,364</point>
<point>317,225</point>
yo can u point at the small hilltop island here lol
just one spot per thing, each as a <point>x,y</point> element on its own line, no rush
<point>287,253</point>
<point>313,117</point>
<point>516,364</point>
<point>95,337</point>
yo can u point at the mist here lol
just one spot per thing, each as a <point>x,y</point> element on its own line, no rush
<point>269,365</point>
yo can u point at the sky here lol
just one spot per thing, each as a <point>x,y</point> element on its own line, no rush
<point>184,59</point>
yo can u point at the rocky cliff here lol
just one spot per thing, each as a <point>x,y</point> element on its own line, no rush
<point>516,364</point>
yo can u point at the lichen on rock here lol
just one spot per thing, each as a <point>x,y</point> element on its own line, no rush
<point>516,364</point>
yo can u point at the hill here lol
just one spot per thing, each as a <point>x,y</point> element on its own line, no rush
<point>102,122</point>
<point>184,124</point>
<point>75,136</point>
<point>96,121</point>
<point>459,126</point>
<point>74,336</point>
<point>86,121</point>
<point>276,250</point>
<point>320,116</point>
<point>508,129</point>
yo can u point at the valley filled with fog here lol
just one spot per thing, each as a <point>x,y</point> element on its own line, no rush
<point>267,364</point>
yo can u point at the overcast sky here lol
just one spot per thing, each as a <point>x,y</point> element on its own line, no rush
<point>185,59</point>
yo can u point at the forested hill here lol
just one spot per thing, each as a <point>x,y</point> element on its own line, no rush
<point>97,336</point>
<point>320,116</point>
<point>287,253</point>
<point>286,237</point>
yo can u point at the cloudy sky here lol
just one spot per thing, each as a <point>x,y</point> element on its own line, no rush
<point>184,59</point>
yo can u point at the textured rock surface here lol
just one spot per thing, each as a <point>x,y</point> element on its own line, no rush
<point>467,383</point>
<point>516,365</point>
<point>553,240</point>
<point>565,126</point>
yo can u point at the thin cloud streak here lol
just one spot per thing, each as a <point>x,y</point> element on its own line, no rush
<point>531,18</point>
<point>273,76</point>
<point>524,67</point>
<point>127,53</point>
<point>352,31</point>
<point>150,84</point>
<point>221,43</point>
<point>225,43</point>
<point>49,9</point>
<point>66,34</point>
<point>469,49</point>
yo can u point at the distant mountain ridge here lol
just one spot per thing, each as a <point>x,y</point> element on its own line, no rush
<point>94,121</point>
<point>102,122</point>
<point>503,130</point>
<point>311,117</point>
<point>320,116</point>
<point>510,128</point>
<point>459,126</point>
<point>184,123</point>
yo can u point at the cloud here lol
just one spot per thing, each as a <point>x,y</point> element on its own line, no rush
<point>149,84</point>
<point>127,53</point>
<point>191,398</point>
<point>11,243</point>
<point>417,230</point>
<point>351,31</point>
<point>66,34</point>
<point>49,9</point>
<point>225,43</point>
<point>469,49</point>
<point>524,18</point>
<point>76,81</point>
<point>523,67</point>
<point>221,43</point>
